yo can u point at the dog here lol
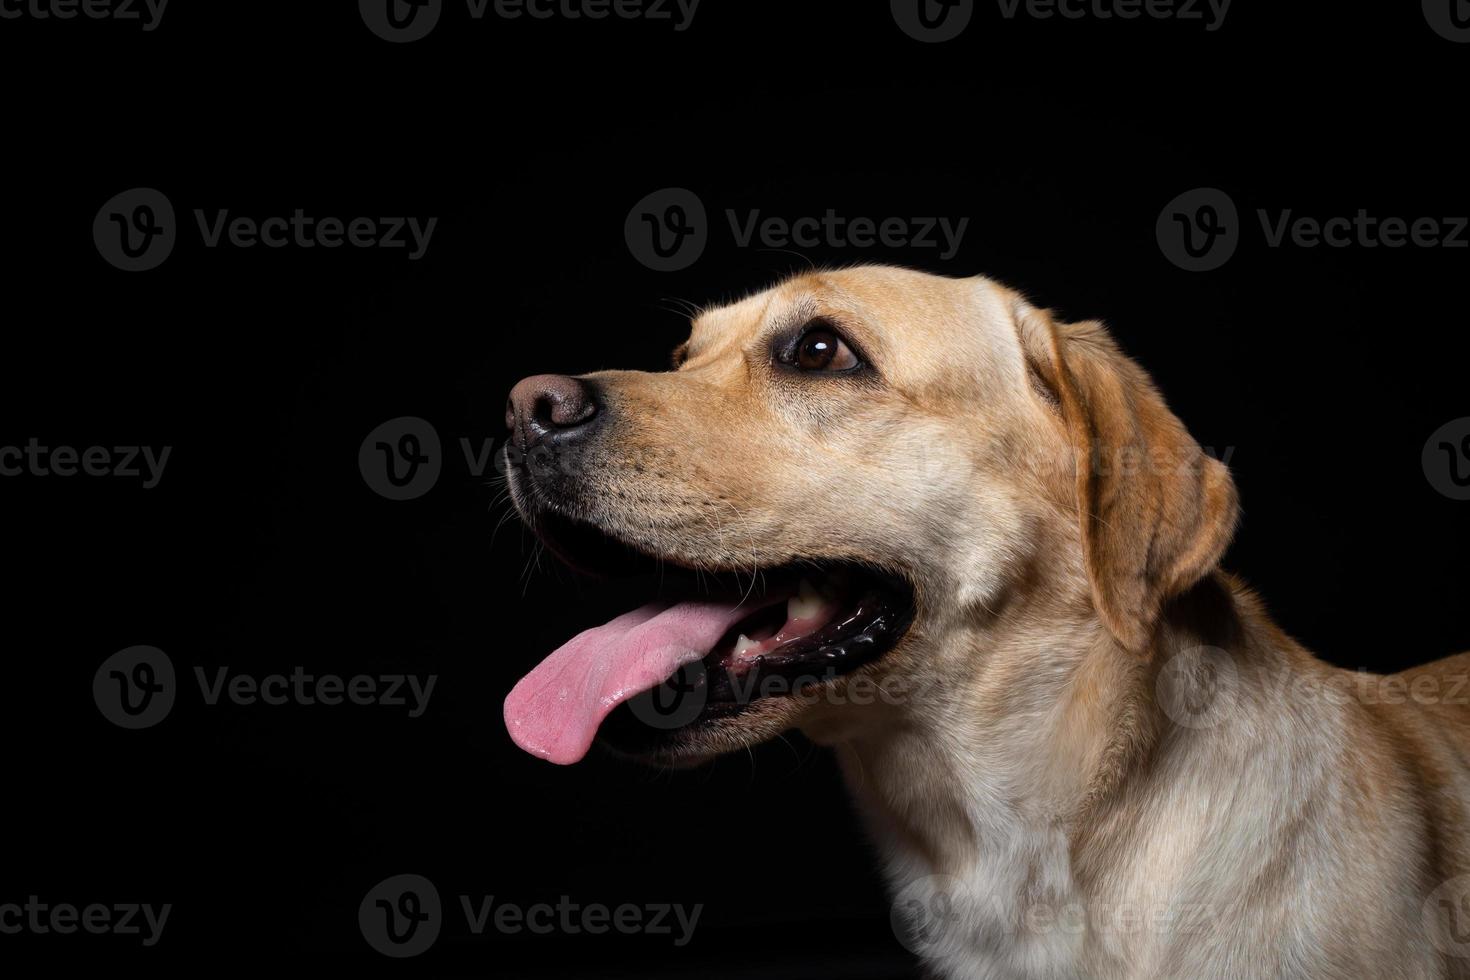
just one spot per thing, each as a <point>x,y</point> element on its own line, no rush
<point>970,549</point>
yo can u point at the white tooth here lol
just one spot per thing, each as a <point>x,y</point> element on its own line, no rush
<point>806,604</point>
<point>743,644</point>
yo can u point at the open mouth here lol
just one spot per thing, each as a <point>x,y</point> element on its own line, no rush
<point>709,644</point>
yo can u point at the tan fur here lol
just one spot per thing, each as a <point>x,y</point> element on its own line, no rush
<point>1089,723</point>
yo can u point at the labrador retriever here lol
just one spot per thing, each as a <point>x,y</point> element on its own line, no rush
<point>970,549</point>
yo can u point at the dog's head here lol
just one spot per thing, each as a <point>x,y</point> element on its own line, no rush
<point>840,473</point>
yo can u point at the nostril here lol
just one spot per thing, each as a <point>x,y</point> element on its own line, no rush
<point>543,411</point>
<point>510,413</point>
<point>546,404</point>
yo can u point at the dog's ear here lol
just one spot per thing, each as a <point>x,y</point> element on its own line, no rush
<point>1156,513</point>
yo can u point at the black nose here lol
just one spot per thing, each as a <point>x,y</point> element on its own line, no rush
<point>548,405</point>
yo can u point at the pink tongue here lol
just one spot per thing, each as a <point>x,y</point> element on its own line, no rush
<point>555,710</point>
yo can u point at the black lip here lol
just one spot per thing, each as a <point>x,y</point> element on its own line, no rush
<point>878,613</point>
<point>859,636</point>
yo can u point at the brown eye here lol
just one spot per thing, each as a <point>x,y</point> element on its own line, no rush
<point>820,349</point>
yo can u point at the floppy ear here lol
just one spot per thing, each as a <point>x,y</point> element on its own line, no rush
<point>1156,513</point>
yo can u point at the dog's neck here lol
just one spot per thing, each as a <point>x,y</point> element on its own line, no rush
<point>1016,753</point>
<point>1028,783</point>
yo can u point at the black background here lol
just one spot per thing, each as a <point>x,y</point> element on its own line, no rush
<point>1321,370</point>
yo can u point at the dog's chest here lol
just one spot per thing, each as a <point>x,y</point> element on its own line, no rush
<point>1012,910</point>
